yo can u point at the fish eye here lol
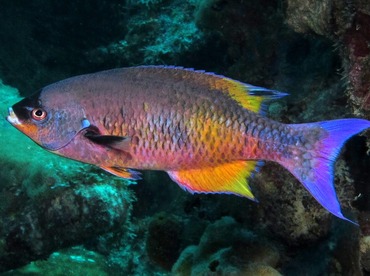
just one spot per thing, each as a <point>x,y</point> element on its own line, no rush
<point>38,114</point>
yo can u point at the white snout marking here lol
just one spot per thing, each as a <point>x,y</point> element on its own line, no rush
<point>12,118</point>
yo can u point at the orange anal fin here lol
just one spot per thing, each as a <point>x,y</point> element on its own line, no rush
<point>226,178</point>
<point>123,172</point>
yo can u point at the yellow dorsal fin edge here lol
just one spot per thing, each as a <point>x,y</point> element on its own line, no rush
<point>248,96</point>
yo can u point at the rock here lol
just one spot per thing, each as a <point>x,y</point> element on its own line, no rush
<point>72,261</point>
<point>61,218</point>
<point>226,248</point>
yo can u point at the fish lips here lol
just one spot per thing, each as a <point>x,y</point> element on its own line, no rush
<point>12,118</point>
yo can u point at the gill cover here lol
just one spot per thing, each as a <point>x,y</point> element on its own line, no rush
<point>63,121</point>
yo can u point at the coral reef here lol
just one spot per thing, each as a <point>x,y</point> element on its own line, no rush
<point>226,248</point>
<point>157,33</point>
<point>72,261</point>
<point>298,219</point>
<point>346,23</point>
<point>365,253</point>
<point>364,241</point>
<point>34,228</point>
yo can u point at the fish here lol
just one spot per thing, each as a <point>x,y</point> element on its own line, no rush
<point>209,132</point>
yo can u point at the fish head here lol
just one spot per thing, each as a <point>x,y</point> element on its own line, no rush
<point>50,119</point>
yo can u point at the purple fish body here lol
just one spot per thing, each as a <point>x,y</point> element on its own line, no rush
<point>208,132</point>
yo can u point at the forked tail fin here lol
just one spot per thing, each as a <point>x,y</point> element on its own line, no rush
<point>314,163</point>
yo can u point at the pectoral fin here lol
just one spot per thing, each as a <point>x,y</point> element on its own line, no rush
<point>123,172</point>
<point>226,178</point>
<point>115,142</point>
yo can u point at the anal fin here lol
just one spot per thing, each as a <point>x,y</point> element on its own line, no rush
<point>227,178</point>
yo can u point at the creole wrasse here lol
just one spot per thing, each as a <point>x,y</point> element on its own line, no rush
<point>208,132</point>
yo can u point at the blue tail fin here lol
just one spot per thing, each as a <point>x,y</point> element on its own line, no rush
<point>314,165</point>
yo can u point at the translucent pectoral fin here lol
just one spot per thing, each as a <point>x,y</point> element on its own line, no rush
<point>227,178</point>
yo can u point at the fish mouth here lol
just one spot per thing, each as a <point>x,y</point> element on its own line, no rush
<point>12,118</point>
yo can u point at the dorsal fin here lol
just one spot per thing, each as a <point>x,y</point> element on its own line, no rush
<point>253,98</point>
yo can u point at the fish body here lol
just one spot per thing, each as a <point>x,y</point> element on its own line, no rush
<point>207,131</point>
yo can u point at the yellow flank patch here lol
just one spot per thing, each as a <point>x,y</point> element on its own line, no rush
<point>239,92</point>
<point>227,178</point>
<point>146,106</point>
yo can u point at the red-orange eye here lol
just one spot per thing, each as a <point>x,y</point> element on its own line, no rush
<point>38,114</point>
